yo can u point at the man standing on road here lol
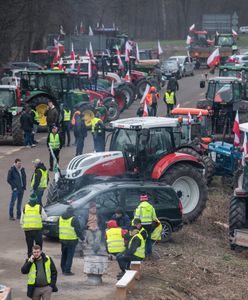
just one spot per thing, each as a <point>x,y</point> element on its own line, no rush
<point>170,100</point>
<point>35,118</point>
<point>66,125</point>
<point>52,115</point>
<point>31,222</point>
<point>173,84</point>
<point>54,140</point>
<point>17,180</point>
<point>147,215</point>
<point>69,231</point>
<point>39,179</point>
<point>98,133</point>
<point>27,125</point>
<point>80,131</point>
<point>42,275</point>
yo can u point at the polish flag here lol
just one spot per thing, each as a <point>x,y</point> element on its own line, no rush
<point>112,88</point>
<point>217,33</point>
<point>235,34</point>
<point>128,49</point>
<point>189,118</point>
<point>90,31</point>
<point>61,63</point>
<point>145,112</point>
<point>56,57</point>
<point>245,149</point>
<point>160,50</point>
<point>81,30</point>
<point>91,53</point>
<point>72,52</point>
<point>199,116</point>
<point>87,52</point>
<point>192,27</point>
<point>188,40</point>
<point>145,93</point>
<point>137,53</point>
<point>118,53</point>
<point>214,58</point>
<point>236,130</point>
<point>127,77</point>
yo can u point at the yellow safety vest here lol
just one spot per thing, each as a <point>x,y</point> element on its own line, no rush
<point>145,212</point>
<point>66,231</point>
<point>115,241</point>
<point>54,141</point>
<point>140,251</point>
<point>32,272</point>
<point>43,180</point>
<point>156,234</point>
<point>169,97</point>
<point>94,121</point>
<point>36,115</point>
<point>32,217</point>
<point>67,115</point>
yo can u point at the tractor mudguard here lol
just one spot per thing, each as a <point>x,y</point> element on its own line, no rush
<point>38,94</point>
<point>190,146</point>
<point>171,159</point>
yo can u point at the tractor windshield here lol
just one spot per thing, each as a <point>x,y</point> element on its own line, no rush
<point>7,98</point>
<point>124,140</point>
<point>224,92</point>
<point>225,41</point>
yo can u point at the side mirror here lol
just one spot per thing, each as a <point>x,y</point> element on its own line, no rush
<point>202,84</point>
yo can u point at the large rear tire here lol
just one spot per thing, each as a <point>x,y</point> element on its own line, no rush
<point>120,99</point>
<point>191,188</point>
<point>129,94</point>
<point>141,86</point>
<point>17,133</point>
<point>237,216</point>
<point>52,193</point>
<point>113,111</point>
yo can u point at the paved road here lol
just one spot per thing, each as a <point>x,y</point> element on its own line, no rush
<point>12,244</point>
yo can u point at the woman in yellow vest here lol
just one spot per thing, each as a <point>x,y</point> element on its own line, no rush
<point>115,238</point>
<point>55,141</point>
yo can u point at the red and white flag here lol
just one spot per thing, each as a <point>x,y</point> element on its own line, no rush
<point>128,49</point>
<point>188,40</point>
<point>90,31</point>
<point>137,53</point>
<point>89,69</point>
<point>91,53</point>
<point>192,27</point>
<point>127,77</point>
<point>199,116</point>
<point>112,88</point>
<point>81,29</point>
<point>214,58</point>
<point>120,63</point>
<point>189,118</point>
<point>87,52</point>
<point>160,50</point>
<point>245,149</point>
<point>72,52</point>
<point>235,34</point>
<point>236,130</point>
<point>61,63</point>
<point>145,111</point>
<point>145,93</point>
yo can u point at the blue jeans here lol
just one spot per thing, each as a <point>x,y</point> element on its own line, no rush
<point>68,250</point>
<point>39,193</point>
<point>99,143</point>
<point>148,245</point>
<point>80,146</point>
<point>27,138</point>
<point>18,194</point>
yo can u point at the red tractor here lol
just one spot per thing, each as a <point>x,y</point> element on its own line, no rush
<point>141,148</point>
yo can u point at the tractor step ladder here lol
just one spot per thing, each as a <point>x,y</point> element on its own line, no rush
<point>126,283</point>
<point>241,237</point>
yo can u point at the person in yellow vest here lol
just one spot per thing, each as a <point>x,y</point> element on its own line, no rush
<point>98,133</point>
<point>42,275</point>
<point>31,221</point>
<point>55,141</point>
<point>170,100</point>
<point>40,179</point>
<point>69,232</point>
<point>146,213</point>
<point>66,124</point>
<point>157,231</point>
<point>115,238</point>
<point>135,251</point>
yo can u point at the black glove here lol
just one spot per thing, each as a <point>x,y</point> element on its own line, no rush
<point>55,289</point>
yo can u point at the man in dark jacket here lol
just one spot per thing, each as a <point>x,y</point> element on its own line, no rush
<point>52,115</point>
<point>69,231</point>
<point>121,218</point>
<point>42,275</point>
<point>17,180</point>
<point>40,179</point>
<point>27,124</point>
<point>80,131</point>
<point>173,84</point>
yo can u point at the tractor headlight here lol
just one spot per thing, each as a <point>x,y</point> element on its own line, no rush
<point>76,173</point>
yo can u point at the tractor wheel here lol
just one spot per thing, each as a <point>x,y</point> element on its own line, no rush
<point>89,113</point>
<point>166,232</point>
<point>52,193</point>
<point>17,132</point>
<point>238,178</point>
<point>141,86</point>
<point>113,111</point>
<point>129,94</point>
<point>40,105</point>
<point>191,188</point>
<point>120,99</point>
<point>209,168</point>
<point>237,216</point>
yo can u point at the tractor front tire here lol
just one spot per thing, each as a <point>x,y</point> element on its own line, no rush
<point>17,132</point>
<point>52,193</point>
<point>191,188</point>
<point>209,168</point>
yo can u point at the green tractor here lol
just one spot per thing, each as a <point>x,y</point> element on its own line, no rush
<point>10,113</point>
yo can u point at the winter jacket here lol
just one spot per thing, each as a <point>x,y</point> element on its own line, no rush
<point>123,222</point>
<point>80,130</point>
<point>14,179</point>
<point>27,122</point>
<point>173,84</point>
<point>52,116</point>
<point>75,223</point>
<point>25,270</point>
<point>38,175</point>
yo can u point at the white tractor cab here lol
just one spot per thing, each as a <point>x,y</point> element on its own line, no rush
<point>238,211</point>
<point>82,61</point>
<point>142,148</point>
<point>12,77</point>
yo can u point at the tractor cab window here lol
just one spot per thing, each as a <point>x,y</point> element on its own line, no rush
<point>7,98</point>
<point>54,82</point>
<point>124,140</point>
<point>225,41</point>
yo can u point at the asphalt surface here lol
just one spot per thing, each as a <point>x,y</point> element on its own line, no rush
<point>12,242</point>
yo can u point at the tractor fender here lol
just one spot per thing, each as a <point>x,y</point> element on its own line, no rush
<point>190,146</point>
<point>41,94</point>
<point>171,160</point>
